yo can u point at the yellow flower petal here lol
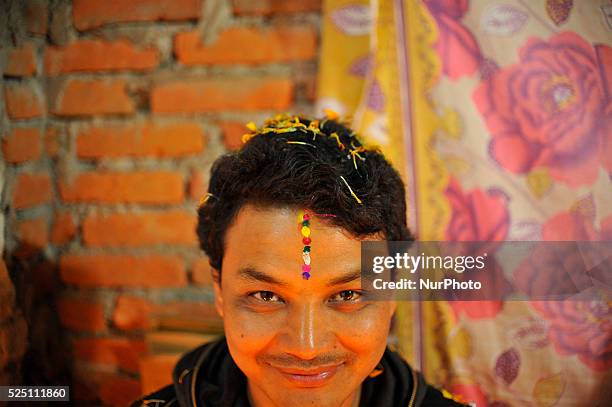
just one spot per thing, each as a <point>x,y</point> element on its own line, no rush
<point>330,114</point>
<point>247,137</point>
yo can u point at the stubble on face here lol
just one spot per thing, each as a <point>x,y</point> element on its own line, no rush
<point>299,342</point>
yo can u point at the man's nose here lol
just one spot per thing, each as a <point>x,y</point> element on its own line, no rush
<point>307,333</point>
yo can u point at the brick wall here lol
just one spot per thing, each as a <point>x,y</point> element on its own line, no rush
<point>111,113</point>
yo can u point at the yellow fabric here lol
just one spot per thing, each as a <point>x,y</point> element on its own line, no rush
<point>423,98</point>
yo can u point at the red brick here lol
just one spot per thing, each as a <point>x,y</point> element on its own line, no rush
<point>212,95</point>
<point>152,187</point>
<point>31,190</point>
<point>33,233</point>
<point>94,383</point>
<point>122,271</point>
<point>21,61</point>
<point>94,13</point>
<point>187,317</point>
<point>115,351</point>
<point>197,184</point>
<point>148,139</point>
<point>7,293</point>
<point>248,45</point>
<point>81,315</point>
<point>36,16</point>
<point>120,391</point>
<point>267,7</point>
<point>99,55</point>
<point>156,371</point>
<point>140,229</point>
<point>139,313</point>
<point>132,313</point>
<point>176,341</point>
<point>22,145</point>
<point>201,272</point>
<point>232,134</point>
<point>79,97</point>
<point>310,85</point>
<point>64,228</point>
<point>22,101</point>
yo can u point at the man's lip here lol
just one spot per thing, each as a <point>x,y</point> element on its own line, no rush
<point>307,372</point>
<point>308,377</point>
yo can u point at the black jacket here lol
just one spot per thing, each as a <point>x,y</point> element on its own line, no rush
<point>209,375</point>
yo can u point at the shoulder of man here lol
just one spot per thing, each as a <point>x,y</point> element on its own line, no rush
<point>428,395</point>
<point>424,394</point>
<point>164,397</point>
<point>435,397</point>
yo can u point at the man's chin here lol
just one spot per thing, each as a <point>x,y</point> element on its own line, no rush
<point>324,390</point>
<point>318,397</point>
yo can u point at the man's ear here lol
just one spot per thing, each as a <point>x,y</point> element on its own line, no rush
<point>216,278</point>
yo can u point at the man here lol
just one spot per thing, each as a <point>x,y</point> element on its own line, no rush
<point>282,226</point>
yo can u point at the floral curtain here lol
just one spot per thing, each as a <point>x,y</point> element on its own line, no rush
<point>498,115</point>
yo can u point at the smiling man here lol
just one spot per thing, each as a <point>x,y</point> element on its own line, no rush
<point>282,225</point>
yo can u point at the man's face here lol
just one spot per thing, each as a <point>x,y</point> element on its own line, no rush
<point>299,342</point>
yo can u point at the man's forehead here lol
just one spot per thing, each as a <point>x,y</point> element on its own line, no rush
<point>268,240</point>
<point>251,273</point>
<point>268,224</point>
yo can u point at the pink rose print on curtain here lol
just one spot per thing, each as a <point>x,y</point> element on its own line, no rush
<point>551,110</point>
<point>478,216</point>
<point>568,226</point>
<point>456,45</point>
<point>581,328</point>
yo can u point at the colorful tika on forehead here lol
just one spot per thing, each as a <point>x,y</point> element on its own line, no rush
<point>304,225</point>
<point>304,219</point>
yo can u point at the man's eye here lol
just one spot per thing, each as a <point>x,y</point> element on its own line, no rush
<point>266,296</point>
<point>346,296</point>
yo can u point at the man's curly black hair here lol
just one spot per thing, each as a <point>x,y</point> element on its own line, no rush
<point>270,172</point>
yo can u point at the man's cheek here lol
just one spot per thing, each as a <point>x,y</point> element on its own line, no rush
<point>364,329</point>
<point>247,337</point>
<point>250,330</point>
